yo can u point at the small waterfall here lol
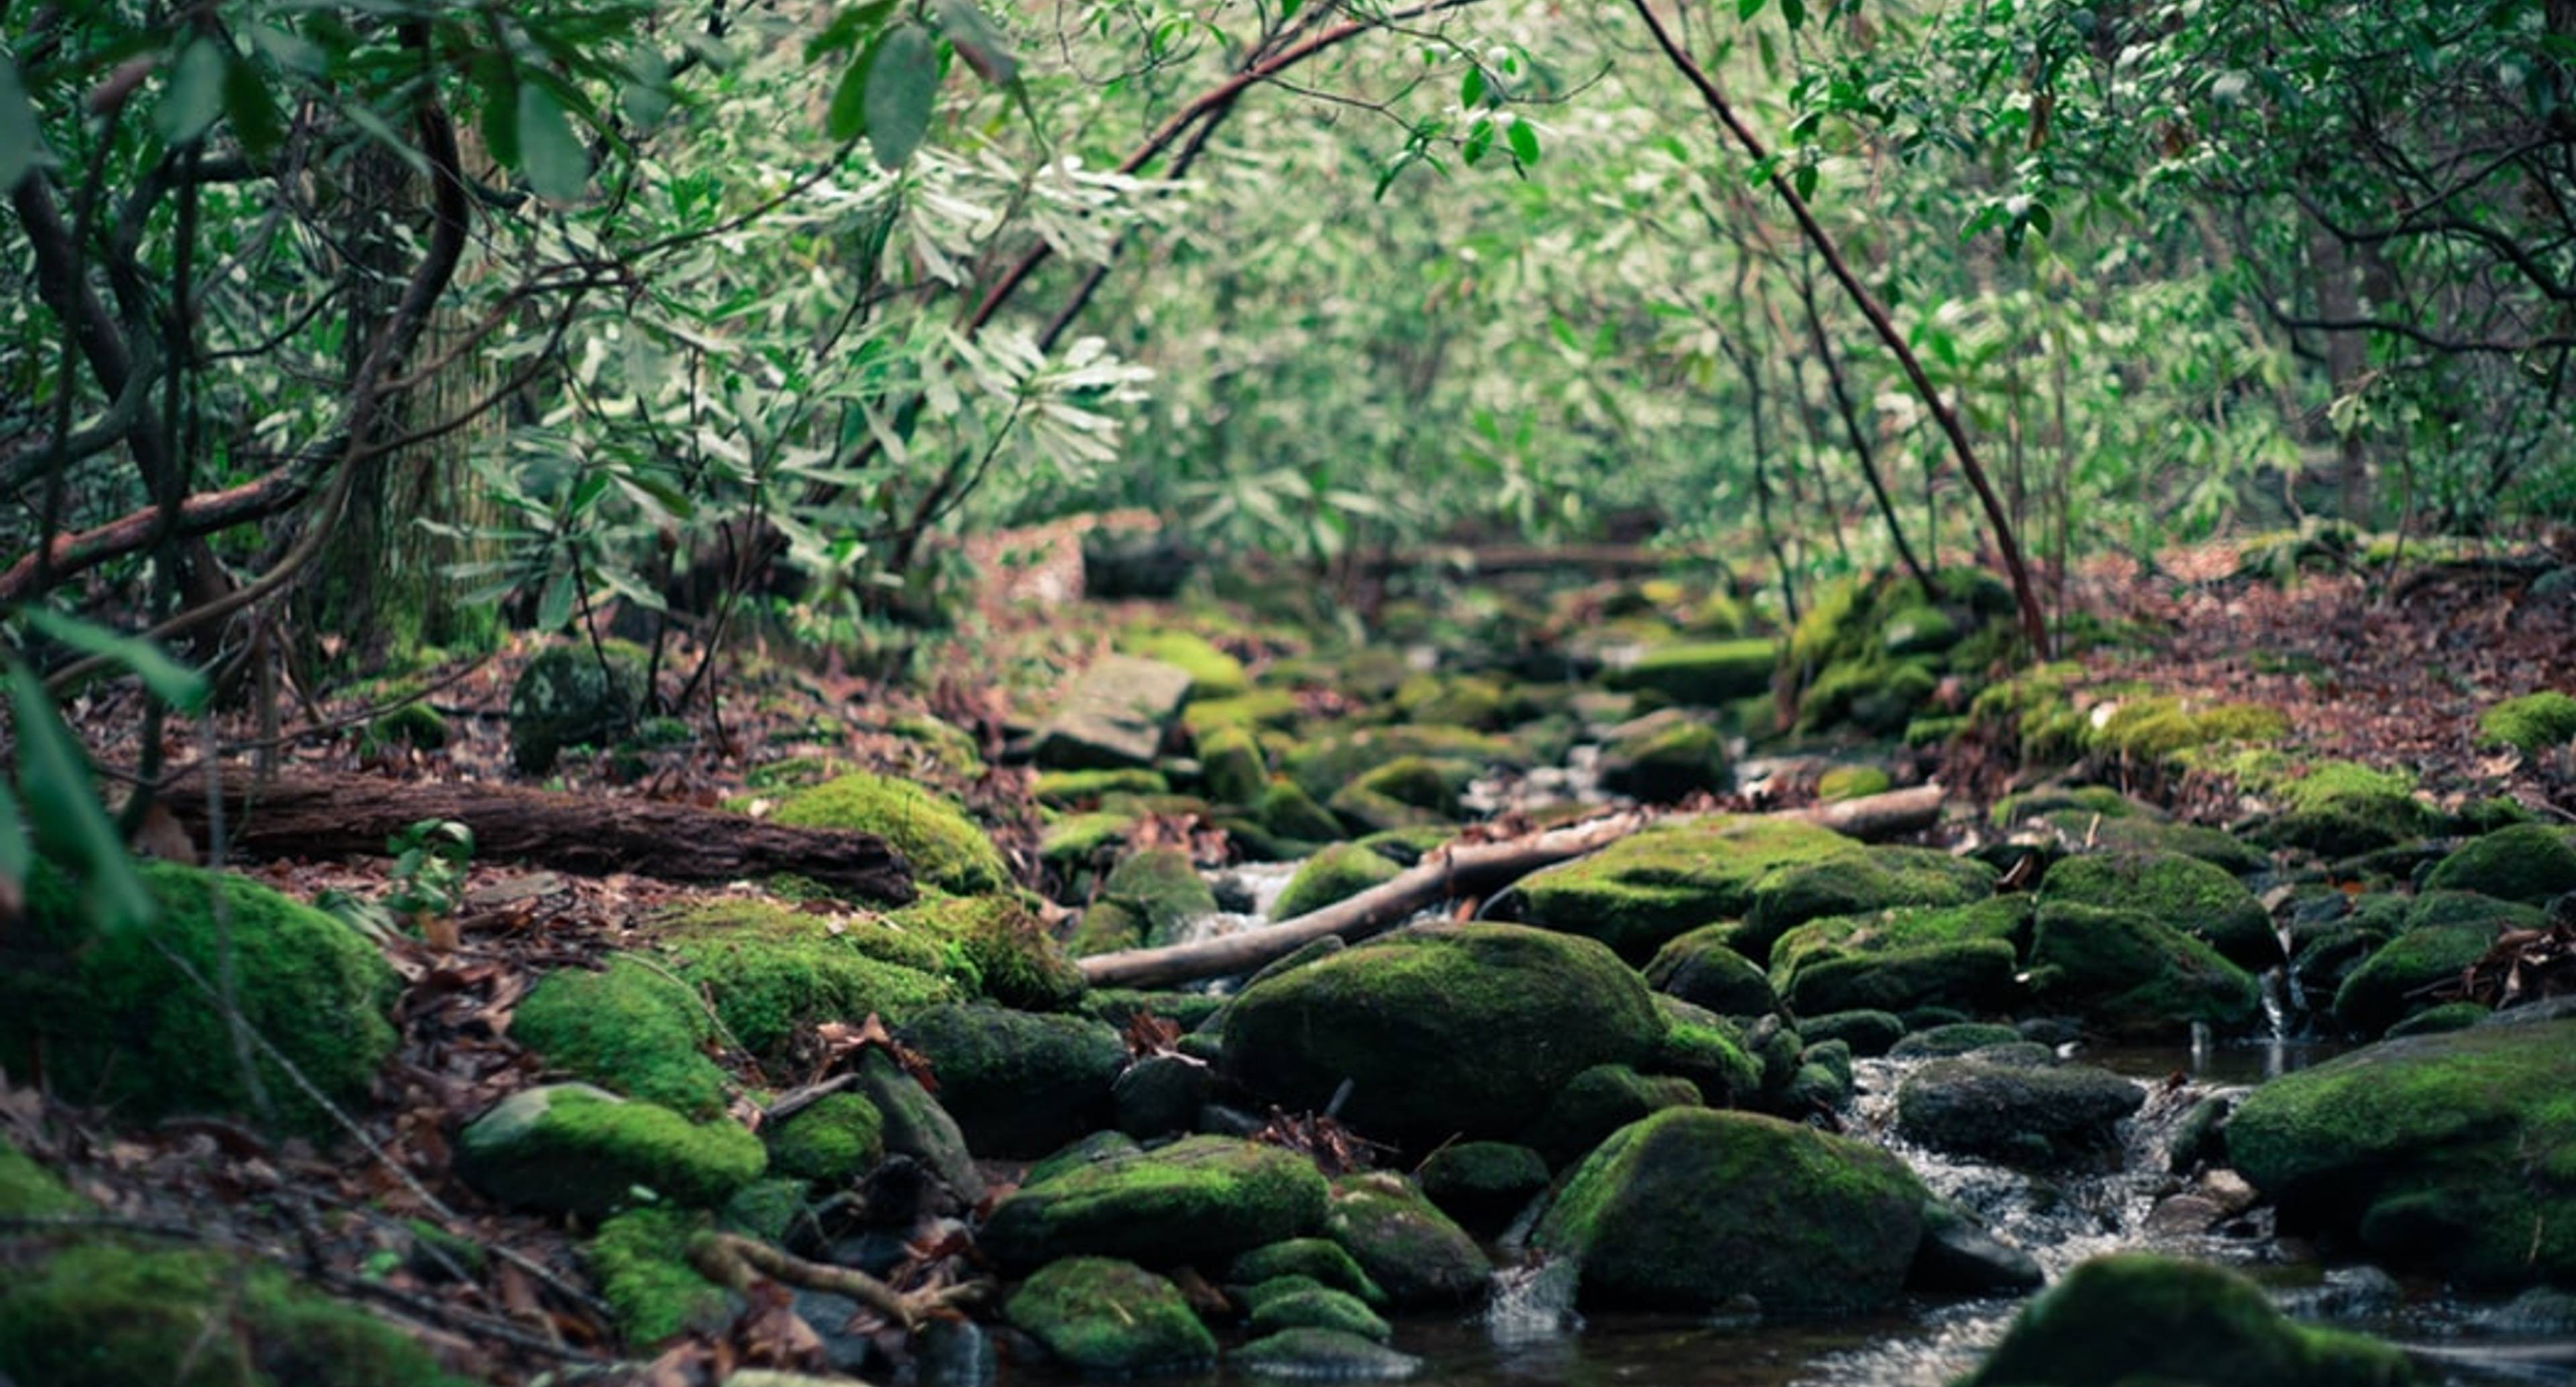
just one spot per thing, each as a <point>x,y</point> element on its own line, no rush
<point>1531,1304</point>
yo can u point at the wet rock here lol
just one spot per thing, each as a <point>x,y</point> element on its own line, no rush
<point>2128,973</point>
<point>1693,1207</point>
<point>1205,1197</point>
<point>1443,1029</point>
<point>1320,1308</point>
<point>1161,1094</point>
<point>2452,1152</point>
<point>917,1126</point>
<point>1320,1259</point>
<point>2449,1016</point>
<point>1597,1102</point>
<point>1102,1315</point>
<point>1876,878</point>
<point>1663,757</point>
<point>953,1353</point>
<point>2197,1136</point>
<point>1116,715</point>
<point>2528,863</point>
<point>1700,969</point>
<point>571,695</point>
<point>1407,1247</point>
<point>1650,886</point>
<point>1147,901</point>
<point>2542,1310</point>
<point>2138,1317</point>
<point>2025,1114</point>
<point>1964,958</point>
<point>1870,1033</point>
<point>1324,1354</point>
<point>1019,1084</point>
<point>1482,1184</point>
<point>1956,1038</point>
<point>2182,893</point>
<point>1958,1256</point>
<point>575,1149</point>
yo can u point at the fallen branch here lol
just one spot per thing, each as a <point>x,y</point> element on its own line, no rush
<point>341,815</point>
<point>733,1261</point>
<point>1461,869</point>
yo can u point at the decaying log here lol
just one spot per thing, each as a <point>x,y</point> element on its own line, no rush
<point>309,815</point>
<point>1459,870</point>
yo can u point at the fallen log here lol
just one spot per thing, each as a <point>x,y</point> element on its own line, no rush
<point>311,815</point>
<point>1461,869</point>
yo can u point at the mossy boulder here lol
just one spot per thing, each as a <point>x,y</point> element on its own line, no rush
<point>2126,972</point>
<point>1875,878</point>
<point>1147,899</point>
<point>1117,714</point>
<point>1851,782</point>
<point>1327,763</point>
<point>1319,1259</point>
<point>1213,673</point>
<point>945,847</point>
<point>1962,957</point>
<point>772,972</point>
<point>572,695</point>
<point>2335,808</point>
<point>1073,789</point>
<point>575,1149</point>
<point>1103,1315</point>
<point>2453,1152</point>
<point>2026,1114</point>
<point>1949,1038</point>
<point>1464,701</point>
<point>1692,1207</point>
<point>1285,809</point>
<point>1702,970</point>
<point>414,725</point>
<point>2140,1317</point>
<point>1869,1032</point>
<point>1320,1308</point>
<point>1706,673</point>
<point>1407,1247</point>
<point>640,1261</point>
<point>1018,1084</point>
<point>1876,693</point>
<point>1599,1101</point>
<point>2529,863</point>
<point>916,1125</point>
<point>1663,757</point>
<point>1483,1184</point>
<point>1654,884</point>
<point>1442,1030</point>
<point>1408,792</point>
<point>1337,873</point>
<point>1232,767</point>
<point>1203,1198</point>
<point>835,1141</point>
<point>632,1027</point>
<point>103,1314</point>
<point>2182,892</point>
<point>1711,1052</point>
<point>119,1022</point>
<point>2445,932</point>
<point>2530,724</point>
<point>994,944</point>
<point>1310,1354</point>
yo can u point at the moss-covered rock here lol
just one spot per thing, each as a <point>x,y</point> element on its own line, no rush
<point>1663,757</point>
<point>1407,792</point>
<point>1147,900</point>
<point>835,1141</point>
<point>2453,1152</point>
<point>1599,1101</point>
<point>2530,724</point>
<point>1652,885</point>
<point>1471,701</point>
<point>1337,873</point>
<point>2139,1317</point>
<point>1328,763</point>
<point>1875,878</point>
<point>1945,1039</point>
<point>1213,673</point>
<point>1702,970</point>
<point>2151,729</point>
<point>1321,1308</point>
<point>2449,1016</point>
<point>572,695</point>
<point>2527,862</point>
<point>1483,1184</point>
<point>1706,673</point>
<point>771,971</point>
<point>1232,767</point>
<point>1287,810</point>
<point>632,1027</point>
<point>2181,892</point>
<point>1442,1029</point>
<point>1311,1354</point>
<point>2444,932</point>
<point>1713,1055</point>
<point>2127,973</point>
<point>2334,808</point>
<point>1693,1207</point>
<point>1018,1084</point>
<point>102,1314</point>
<point>1851,782</point>
<point>414,725</point>
<point>28,1190</point>
<point>1103,1315</point>
<point>1405,1244</point>
<point>640,1260</point>
<point>945,847</point>
<point>119,1022</point>
<point>1071,844</point>
<point>1199,1199</point>
<point>1869,1032</point>
<point>1962,957</point>
<point>1875,693</point>
<point>916,1125</point>
<point>1319,1259</point>
<point>571,1148</point>
<point>995,945</point>
<point>2023,1114</point>
<point>1265,709</point>
<point>1072,789</point>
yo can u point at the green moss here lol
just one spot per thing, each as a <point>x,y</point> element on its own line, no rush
<point>839,1138</point>
<point>2091,800</point>
<point>1875,693</point>
<point>640,1260</point>
<point>770,971</point>
<point>2139,1317</point>
<point>1875,878</point>
<point>1326,764</point>
<point>1148,899</point>
<point>2530,724</point>
<point>575,1149</point>
<point>1322,1308</point>
<point>2184,893</point>
<point>1701,969</point>
<point>100,1314</point>
<point>28,1190</point>
<point>1337,873</point>
<point>1713,1058</point>
<point>1466,701</point>
<point>2526,862</point>
<point>571,695</point>
<point>2127,972</point>
<point>951,747</point>
<point>1200,1197</point>
<point>632,1027</point>
<point>1232,767</point>
<point>1652,885</point>
<point>2337,808</point>
<point>945,847</point>
<point>1404,1243</point>
<point>1963,957</point>
<point>2152,729</point>
<point>1483,1181</point>
<point>1664,758</point>
<point>1077,840</point>
<point>415,725</point>
<point>1321,1259</point>
<point>119,1022</point>
<point>2390,984</point>
<point>1851,782</point>
<point>1261,708</point>
<point>994,945</point>
<point>2034,713</point>
<point>1102,1315</point>
<point>1213,673</point>
<point>1065,789</point>
<point>1599,1101</point>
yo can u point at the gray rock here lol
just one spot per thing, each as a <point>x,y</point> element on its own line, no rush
<point>1115,716</point>
<point>1324,1353</point>
<point>2025,1114</point>
<point>916,1126</point>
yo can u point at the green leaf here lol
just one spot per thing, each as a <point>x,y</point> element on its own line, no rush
<point>1471,87</point>
<point>1803,178</point>
<point>849,29</point>
<point>1746,9</point>
<point>171,682</point>
<point>71,825</point>
<point>22,144</point>
<point>848,117</point>
<point>977,40</point>
<point>195,95</point>
<point>903,83</point>
<point>1794,11</point>
<point>500,110</point>
<point>17,855</point>
<point>254,113</point>
<point>646,97</point>
<point>1480,138</point>
<point>1523,138</point>
<point>551,157</point>
<point>289,51</point>
<point>554,605</point>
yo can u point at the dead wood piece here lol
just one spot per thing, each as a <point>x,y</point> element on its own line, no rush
<point>314,815</point>
<point>1456,871</point>
<point>731,1260</point>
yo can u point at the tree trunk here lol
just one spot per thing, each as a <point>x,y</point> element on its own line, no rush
<point>343,815</point>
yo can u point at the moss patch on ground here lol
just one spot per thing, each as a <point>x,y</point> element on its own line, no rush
<point>945,847</point>
<point>632,1027</point>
